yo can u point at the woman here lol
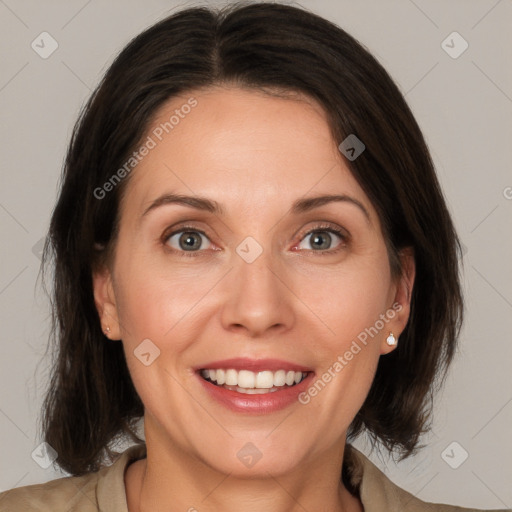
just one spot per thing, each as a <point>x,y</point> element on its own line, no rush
<point>252,253</point>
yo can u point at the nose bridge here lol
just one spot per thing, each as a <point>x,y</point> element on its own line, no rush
<point>258,299</point>
<point>253,266</point>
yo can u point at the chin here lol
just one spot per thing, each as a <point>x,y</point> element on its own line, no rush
<point>257,457</point>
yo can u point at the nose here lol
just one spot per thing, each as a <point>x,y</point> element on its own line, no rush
<point>259,298</point>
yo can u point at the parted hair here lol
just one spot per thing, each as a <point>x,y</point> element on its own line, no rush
<point>91,402</point>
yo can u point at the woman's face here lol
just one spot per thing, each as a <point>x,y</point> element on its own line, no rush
<point>269,275</point>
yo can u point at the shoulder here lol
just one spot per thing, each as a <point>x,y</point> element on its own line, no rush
<point>67,493</point>
<point>103,490</point>
<point>378,493</point>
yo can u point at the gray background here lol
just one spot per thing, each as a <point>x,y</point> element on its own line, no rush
<point>464,107</point>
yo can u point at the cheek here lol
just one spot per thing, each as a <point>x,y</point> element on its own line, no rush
<point>351,303</point>
<point>156,312</point>
<point>156,299</point>
<point>350,299</point>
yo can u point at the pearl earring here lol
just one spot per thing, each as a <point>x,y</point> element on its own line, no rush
<point>107,330</point>
<point>391,340</point>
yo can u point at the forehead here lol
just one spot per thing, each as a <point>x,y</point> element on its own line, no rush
<point>242,147</point>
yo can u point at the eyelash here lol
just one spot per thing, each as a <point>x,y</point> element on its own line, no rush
<point>321,228</point>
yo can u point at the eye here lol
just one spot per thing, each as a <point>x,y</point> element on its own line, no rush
<point>187,240</point>
<point>322,239</point>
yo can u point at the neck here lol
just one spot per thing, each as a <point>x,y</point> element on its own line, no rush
<point>170,479</point>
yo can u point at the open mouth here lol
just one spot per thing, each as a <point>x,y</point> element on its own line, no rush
<point>253,383</point>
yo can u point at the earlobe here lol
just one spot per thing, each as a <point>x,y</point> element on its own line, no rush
<point>402,300</point>
<point>104,299</point>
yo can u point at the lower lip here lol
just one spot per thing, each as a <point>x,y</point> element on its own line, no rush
<point>258,404</point>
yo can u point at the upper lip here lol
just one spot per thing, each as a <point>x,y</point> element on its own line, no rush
<point>254,365</point>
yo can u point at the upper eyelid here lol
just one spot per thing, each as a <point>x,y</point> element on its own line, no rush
<point>325,226</point>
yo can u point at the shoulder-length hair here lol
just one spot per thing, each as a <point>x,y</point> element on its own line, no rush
<point>91,401</point>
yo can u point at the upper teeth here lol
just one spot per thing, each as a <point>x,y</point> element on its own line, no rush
<point>247,379</point>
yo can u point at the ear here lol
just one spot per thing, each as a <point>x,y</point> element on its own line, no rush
<point>402,299</point>
<point>104,298</point>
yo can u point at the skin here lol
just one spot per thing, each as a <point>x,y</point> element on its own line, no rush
<point>255,154</point>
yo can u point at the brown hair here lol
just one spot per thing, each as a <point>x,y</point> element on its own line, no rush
<point>91,400</point>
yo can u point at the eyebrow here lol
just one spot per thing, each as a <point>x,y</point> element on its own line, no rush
<point>209,205</point>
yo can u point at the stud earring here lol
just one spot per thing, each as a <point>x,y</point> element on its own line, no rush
<point>107,330</point>
<point>391,340</point>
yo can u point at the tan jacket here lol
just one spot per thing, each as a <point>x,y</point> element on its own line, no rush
<point>104,490</point>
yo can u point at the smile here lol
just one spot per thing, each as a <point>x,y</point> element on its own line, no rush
<point>252,383</point>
